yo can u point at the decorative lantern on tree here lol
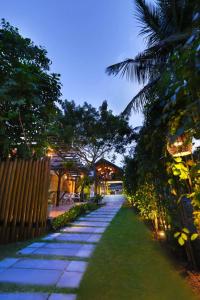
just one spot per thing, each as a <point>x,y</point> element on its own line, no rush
<point>182,146</point>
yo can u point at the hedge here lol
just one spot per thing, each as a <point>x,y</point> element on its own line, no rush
<point>70,215</point>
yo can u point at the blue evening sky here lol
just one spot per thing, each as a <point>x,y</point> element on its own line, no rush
<point>82,38</point>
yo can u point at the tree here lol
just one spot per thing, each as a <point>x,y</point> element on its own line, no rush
<point>94,132</point>
<point>165,25</point>
<point>28,95</point>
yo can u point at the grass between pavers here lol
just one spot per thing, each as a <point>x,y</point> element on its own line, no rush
<point>127,264</point>
<point>15,288</point>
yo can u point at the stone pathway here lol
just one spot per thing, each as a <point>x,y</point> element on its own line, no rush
<point>61,258</point>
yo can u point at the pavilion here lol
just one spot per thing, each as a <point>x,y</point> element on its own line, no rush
<point>109,177</point>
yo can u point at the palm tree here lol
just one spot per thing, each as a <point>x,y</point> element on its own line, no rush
<point>165,25</point>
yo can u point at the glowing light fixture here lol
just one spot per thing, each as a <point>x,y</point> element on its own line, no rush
<point>161,234</point>
<point>181,147</point>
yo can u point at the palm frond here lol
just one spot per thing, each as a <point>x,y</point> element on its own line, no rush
<point>147,63</point>
<point>138,102</point>
<point>175,15</point>
<point>148,16</point>
<point>125,67</point>
<point>140,68</point>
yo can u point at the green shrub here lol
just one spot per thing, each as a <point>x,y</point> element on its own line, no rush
<point>70,215</point>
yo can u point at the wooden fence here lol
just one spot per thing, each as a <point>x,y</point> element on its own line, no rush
<point>23,198</point>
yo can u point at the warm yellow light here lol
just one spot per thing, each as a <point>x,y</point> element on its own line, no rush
<point>161,234</point>
<point>50,152</point>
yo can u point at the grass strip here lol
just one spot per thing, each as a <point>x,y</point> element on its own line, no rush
<point>127,264</point>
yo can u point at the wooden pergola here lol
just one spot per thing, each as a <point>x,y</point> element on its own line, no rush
<point>66,166</point>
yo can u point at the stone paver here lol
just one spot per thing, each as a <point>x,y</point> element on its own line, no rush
<point>65,249</point>
<point>30,276</point>
<point>75,237</point>
<point>8,262</point>
<point>63,252</point>
<point>92,219</point>
<point>70,280</point>
<point>45,264</point>
<point>62,297</point>
<point>77,266</point>
<point>91,224</point>
<point>51,236</point>
<point>102,215</point>
<point>36,245</point>
<point>83,229</point>
<point>105,218</point>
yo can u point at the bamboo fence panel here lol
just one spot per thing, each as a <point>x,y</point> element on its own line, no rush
<point>24,188</point>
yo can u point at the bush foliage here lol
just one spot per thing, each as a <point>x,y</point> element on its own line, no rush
<point>72,214</point>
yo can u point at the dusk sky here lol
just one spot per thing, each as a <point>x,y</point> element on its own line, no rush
<point>83,38</point>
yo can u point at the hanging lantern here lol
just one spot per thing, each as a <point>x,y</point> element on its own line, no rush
<point>181,147</point>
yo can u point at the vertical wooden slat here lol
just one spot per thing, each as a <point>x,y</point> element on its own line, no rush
<point>33,195</point>
<point>28,199</point>
<point>5,207</point>
<point>26,193</point>
<point>45,192</point>
<point>38,215</point>
<point>36,209</point>
<point>23,198</point>
<point>7,215</point>
<point>16,198</point>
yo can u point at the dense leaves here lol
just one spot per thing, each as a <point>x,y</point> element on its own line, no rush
<point>171,105</point>
<point>94,132</point>
<point>28,95</point>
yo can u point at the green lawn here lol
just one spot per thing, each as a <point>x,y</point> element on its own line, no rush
<point>128,265</point>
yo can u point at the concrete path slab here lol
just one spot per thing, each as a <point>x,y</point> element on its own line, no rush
<point>44,264</point>
<point>30,276</point>
<point>36,245</point>
<point>62,297</point>
<point>51,236</point>
<point>94,219</point>
<point>70,280</point>
<point>74,246</point>
<point>57,252</point>
<point>24,296</point>
<point>101,215</point>
<point>8,262</point>
<point>89,224</point>
<point>84,229</point>
<point>77,266</point>
<point>75,237</point>
<point>65,249</point>
<point>26,251</point>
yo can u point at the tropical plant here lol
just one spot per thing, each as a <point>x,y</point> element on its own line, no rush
<point>165,25</point>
